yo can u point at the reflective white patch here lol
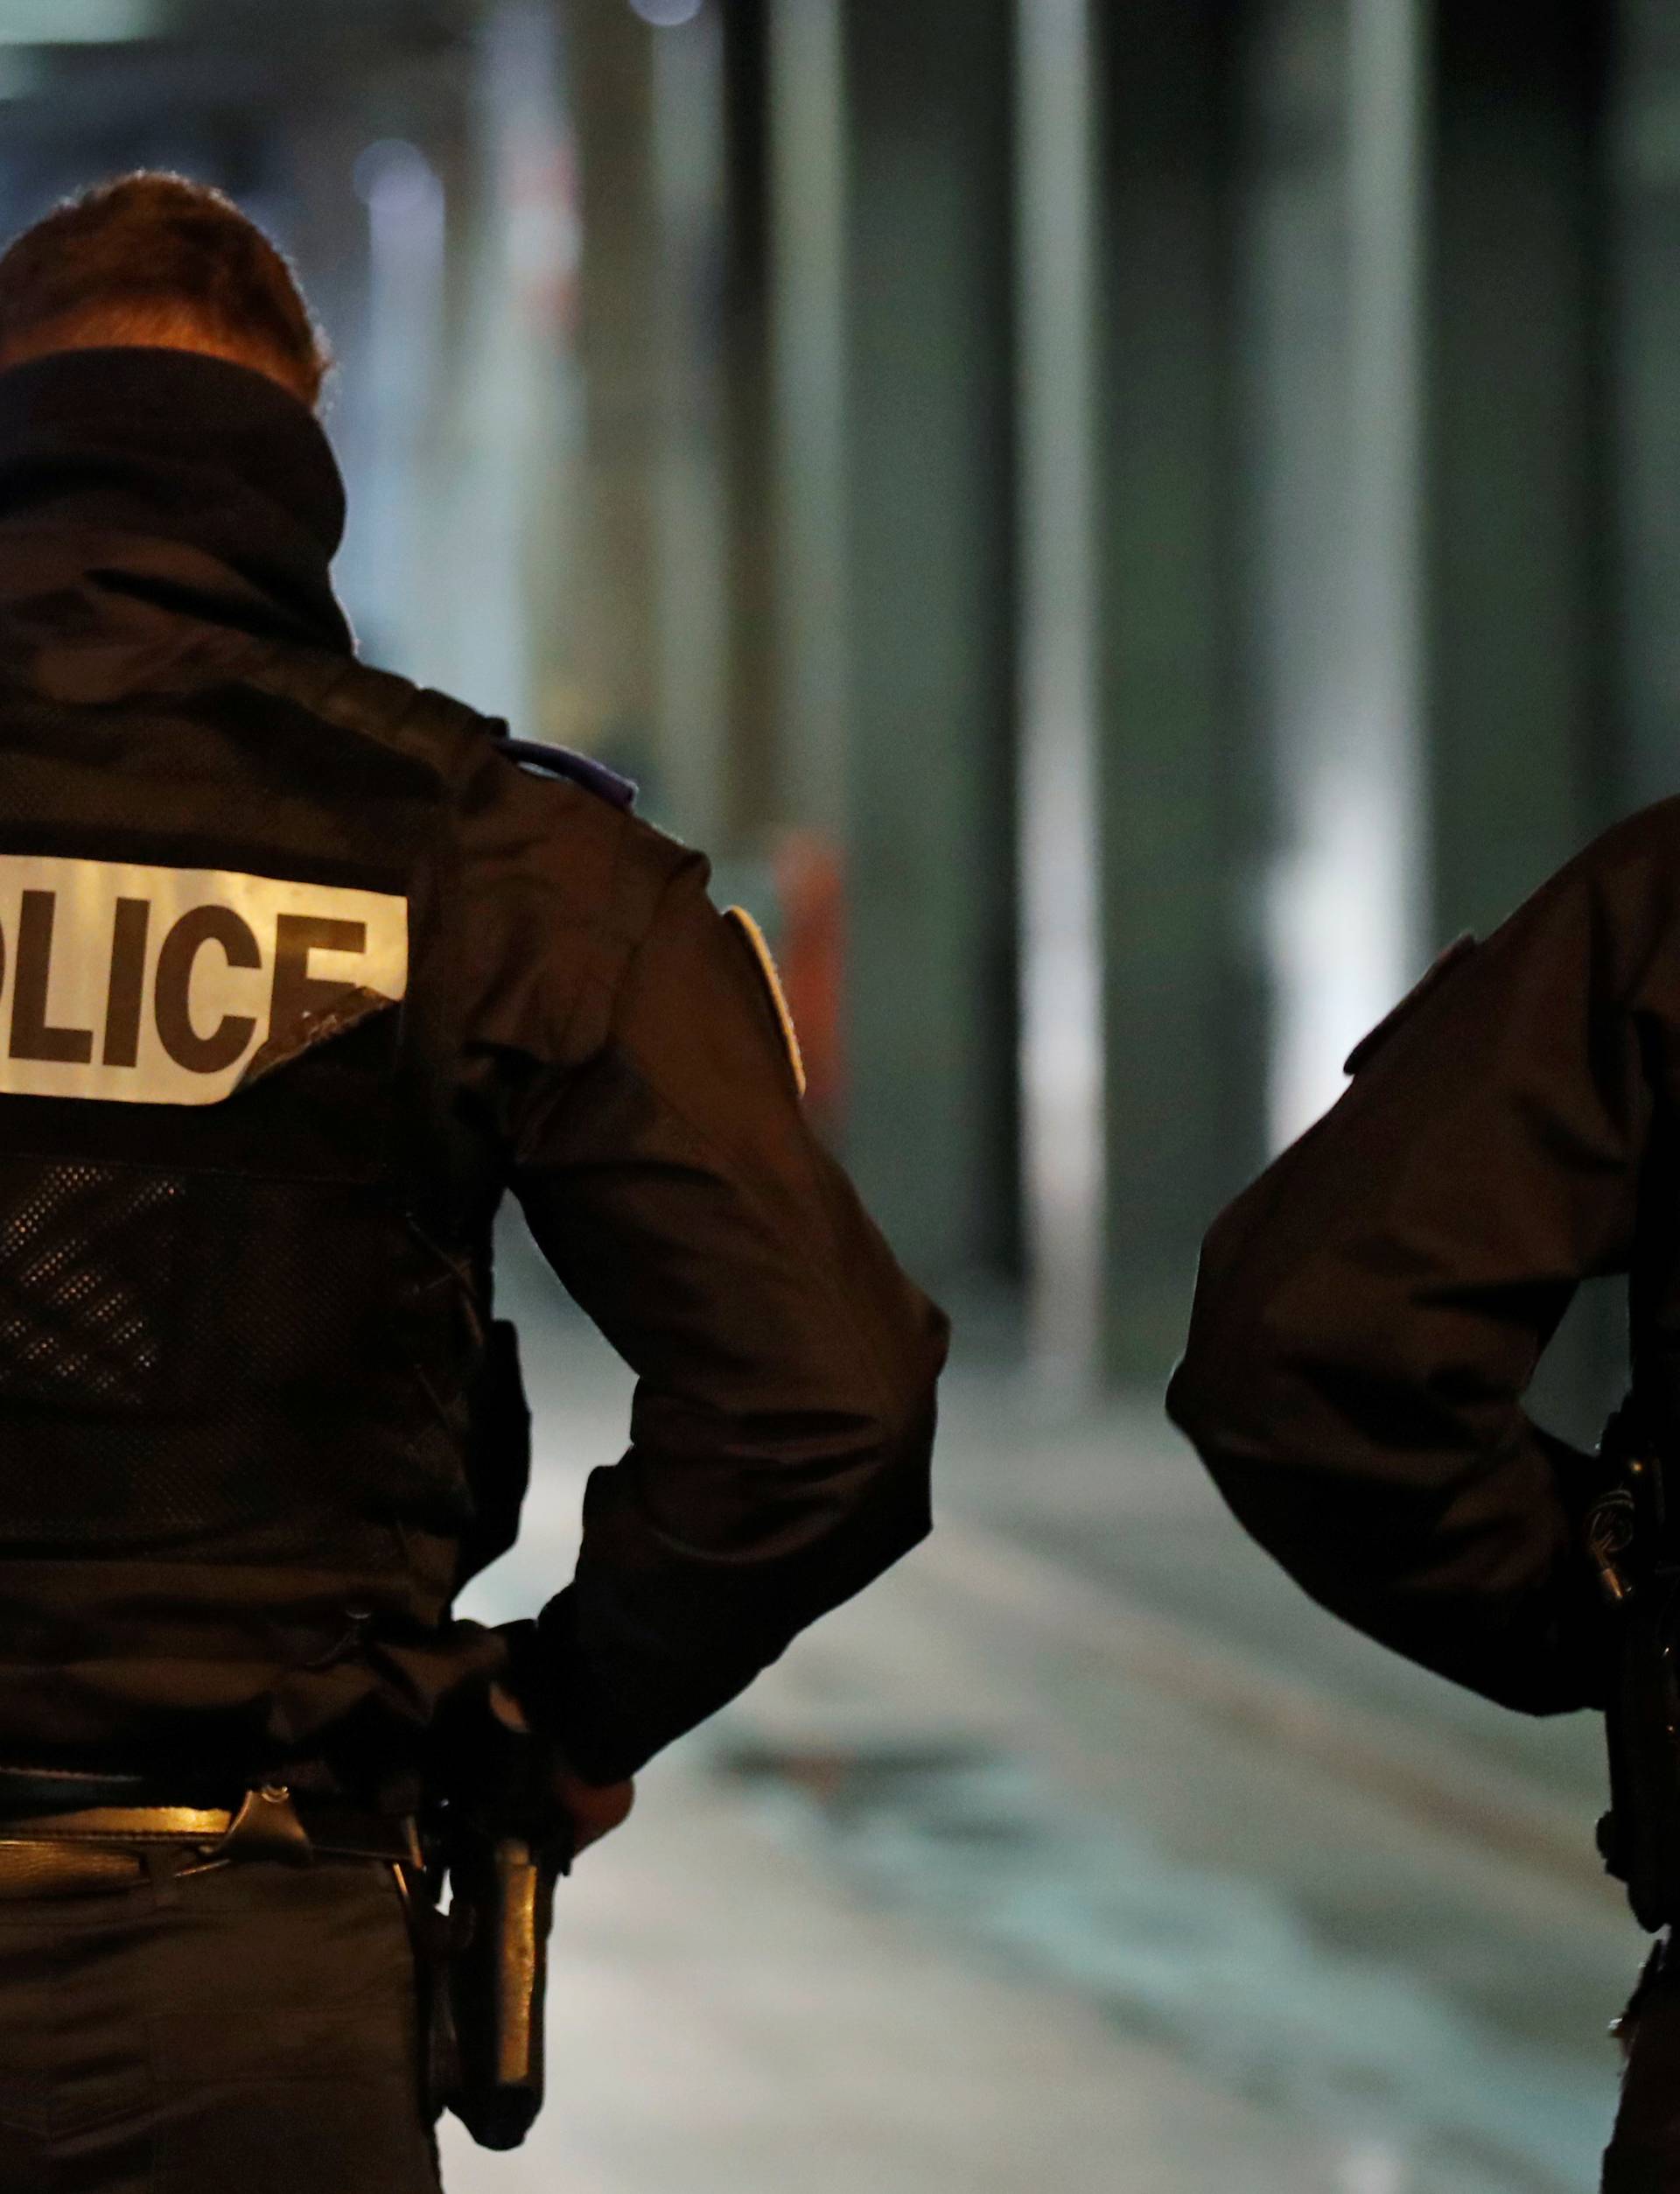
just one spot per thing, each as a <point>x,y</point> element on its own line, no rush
<point>161,985</point>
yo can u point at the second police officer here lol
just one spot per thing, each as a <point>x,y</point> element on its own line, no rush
<point>1369,1314</point>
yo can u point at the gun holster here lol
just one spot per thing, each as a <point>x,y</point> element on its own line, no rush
<point>505,1848</point>
<point>1634,1538</point>
<point>500,1909</point>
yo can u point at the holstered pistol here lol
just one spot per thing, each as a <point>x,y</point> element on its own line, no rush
<point>1634,1538</point>
<point>506,1847</point>
<point>502,1909</point>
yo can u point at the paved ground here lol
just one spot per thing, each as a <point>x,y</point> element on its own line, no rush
<point>1081,1855</point>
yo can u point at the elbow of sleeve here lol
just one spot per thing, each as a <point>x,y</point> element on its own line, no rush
<point>1243,1393</point>
<point>904,1425</point>
<point>1245,1382</point>
<point>1183,1399</point>
<point>880,1498</point>
<point>895,1511</point>
<point>908,1462</point>
<point>1202,1397</point>
<point>1250,1425</point>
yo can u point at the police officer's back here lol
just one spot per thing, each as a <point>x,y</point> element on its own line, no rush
<point>300,970</point>
<point>1370,1312</point>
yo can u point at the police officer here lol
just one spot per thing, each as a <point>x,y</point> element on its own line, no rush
<point>301,969</point>
<point>1370,1311</point>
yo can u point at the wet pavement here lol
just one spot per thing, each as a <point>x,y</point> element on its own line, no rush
<point>1082,1854</point>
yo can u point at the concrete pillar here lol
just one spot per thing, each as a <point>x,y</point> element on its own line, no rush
<point>929,539</point>
<point>810,164</point>
<point>896,627</point>
<point>491,455</point>
<point>1423,246</point>
<point>753,792</point>
<point>1522,744</point>
<point>691,506</point>
<point>1427,421</point>
<point>1061,1049</point>
<point>395,403</point>
<point>1332,290</point>
<point>616,576</point>
<point>1180,807</point>
<point>1645,403</point>
<point>674,659</point>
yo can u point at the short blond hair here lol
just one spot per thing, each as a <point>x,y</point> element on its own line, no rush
<point>157,260</point>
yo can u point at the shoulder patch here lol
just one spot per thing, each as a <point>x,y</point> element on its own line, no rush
<point>1445,963</point>
<point>579,769</point>
<point>760,946</point>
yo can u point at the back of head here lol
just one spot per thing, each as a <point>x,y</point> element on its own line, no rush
<point>157,262</point>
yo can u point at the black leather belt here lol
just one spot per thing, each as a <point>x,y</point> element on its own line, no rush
<point>119,1839</point>
<point>34,1789</point>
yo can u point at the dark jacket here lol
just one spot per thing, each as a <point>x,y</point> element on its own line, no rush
<point>1370,1311</point>
<point>166,525</point>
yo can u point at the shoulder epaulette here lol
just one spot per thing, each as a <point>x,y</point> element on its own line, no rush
<point>579,769</point>
<point>379,705</point>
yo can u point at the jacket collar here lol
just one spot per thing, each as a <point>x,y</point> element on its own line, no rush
<point>135,481</point>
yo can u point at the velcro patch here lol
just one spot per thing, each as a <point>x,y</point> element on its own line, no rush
<point>147,986</point>
<point>767,967</point>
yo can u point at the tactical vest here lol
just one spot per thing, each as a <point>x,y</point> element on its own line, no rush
<point>238,1351</point>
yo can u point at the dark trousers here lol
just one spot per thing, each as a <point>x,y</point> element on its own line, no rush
<point>253,2028</point>
<point>1644,2153</point>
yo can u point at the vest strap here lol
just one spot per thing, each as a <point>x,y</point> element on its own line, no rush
<point>446,737</point>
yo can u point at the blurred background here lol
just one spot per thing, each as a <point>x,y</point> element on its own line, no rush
<point>1124,525</point>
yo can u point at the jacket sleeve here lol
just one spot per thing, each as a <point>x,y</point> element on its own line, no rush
<point>783,1420</point>
<point>1369,1313</point>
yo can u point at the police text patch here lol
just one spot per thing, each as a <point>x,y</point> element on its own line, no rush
<point>171,985</point>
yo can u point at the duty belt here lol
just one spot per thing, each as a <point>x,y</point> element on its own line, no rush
<point>62,1833</point>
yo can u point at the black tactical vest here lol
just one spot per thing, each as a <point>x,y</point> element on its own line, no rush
<point>237,1346</point>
